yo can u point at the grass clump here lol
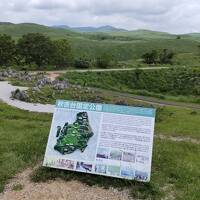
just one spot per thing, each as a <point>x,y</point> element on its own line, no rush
<point>17,187</point>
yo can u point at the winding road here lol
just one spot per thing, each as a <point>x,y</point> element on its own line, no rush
<point>6,89</point>
<point>5,93</point>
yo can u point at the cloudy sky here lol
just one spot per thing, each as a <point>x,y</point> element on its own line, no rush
<point>175,16</point>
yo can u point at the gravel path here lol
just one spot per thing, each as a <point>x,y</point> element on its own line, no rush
<point>5,93</point>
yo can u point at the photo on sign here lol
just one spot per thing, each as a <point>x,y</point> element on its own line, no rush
<point>127,171</point>
<point>65,164</point>
<point>74,135</point>
<point>128,157</point>
<point>103,153</point>
<point>115,155</point>
<point>113,170</point>
<point>100,168</point>
<point>141,176</point>
<point>83,167</point>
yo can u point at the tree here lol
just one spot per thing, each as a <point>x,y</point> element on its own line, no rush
<point>104,61</point>
<point>163,57</point>
<point>199,49</point>
<point>7,50</point>
<point>62,53</point>
<point>36,48</point>
<point>166,56</point>
<point>150,57</point>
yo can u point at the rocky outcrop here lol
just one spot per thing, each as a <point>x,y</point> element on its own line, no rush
<point>60,85</point>
<point>56,84</point>
<point>20,95</point>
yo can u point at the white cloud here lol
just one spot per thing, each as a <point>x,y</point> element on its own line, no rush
<point>165,15</point>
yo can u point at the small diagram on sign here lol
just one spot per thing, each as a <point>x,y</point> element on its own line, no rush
<point>74,136</point>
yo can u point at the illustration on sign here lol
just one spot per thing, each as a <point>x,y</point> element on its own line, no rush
<point>102,139</point>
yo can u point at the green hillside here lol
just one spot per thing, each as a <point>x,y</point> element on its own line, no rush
<point>145,34</point>
<point>17,30</point>
<point>122,45</point>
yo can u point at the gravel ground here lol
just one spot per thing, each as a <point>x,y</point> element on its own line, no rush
<point>58,190</point>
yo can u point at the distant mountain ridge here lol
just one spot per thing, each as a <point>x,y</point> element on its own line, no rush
<point>106,28</point>
<point>61,31</point>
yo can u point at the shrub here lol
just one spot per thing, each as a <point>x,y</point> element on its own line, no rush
<point>82,63</point>
<point>104,61</point>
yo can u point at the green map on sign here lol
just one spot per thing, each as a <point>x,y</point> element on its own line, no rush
<point>74,136</point>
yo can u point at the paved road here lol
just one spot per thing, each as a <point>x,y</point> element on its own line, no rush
<point>5,93</point>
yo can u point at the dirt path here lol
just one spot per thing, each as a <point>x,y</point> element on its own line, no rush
<point>98,70</point>
<point>178,139</point>
<point>149,100</point>
<point>54,74</point>
<point>58,190</point>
